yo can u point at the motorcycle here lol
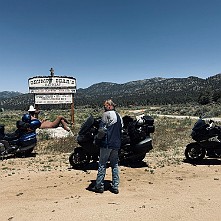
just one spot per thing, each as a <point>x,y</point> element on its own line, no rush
<point>21,142</point>
<point>208,141</point>
<point>136,141</point>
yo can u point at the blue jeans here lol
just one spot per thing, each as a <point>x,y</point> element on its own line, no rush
<point>112,155</point>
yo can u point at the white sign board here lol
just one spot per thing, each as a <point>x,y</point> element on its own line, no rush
<point>52,85</point>
<point>52,91</point>
<point>53,98</point>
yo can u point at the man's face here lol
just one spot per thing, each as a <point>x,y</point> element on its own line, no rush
<point>107,107</point>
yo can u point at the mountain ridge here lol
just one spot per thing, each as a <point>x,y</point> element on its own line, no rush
<point>148,91</point>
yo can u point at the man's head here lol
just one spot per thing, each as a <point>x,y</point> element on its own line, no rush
<point>109,105</point>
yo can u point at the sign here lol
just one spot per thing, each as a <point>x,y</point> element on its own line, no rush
<point>53,98</point>
<point>52,85</point>
<point>52,91</point>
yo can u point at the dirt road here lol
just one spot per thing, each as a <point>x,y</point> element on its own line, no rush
<point>43,188</point>
<point>216,119</point>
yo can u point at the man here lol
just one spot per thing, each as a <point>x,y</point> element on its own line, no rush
<point>49,124</point>
<point>109,137</point>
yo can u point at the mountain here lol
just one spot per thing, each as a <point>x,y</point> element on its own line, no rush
<point>140,92</point>
<point>9,94</point>
<point>150,91</point>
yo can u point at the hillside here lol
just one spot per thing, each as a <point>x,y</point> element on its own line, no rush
<point>151,91</point>
<point>9,94</point>
<point>140,92</point>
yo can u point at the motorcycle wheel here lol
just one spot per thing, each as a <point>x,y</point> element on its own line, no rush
<point>194,152</point>
<point>78,158</point>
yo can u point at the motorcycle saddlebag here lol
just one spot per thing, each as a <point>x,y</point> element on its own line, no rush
<point>148,120</point>
<point>143,146</point>
<point>27,140</point>
<point>134,134</point>
<point>150,129</point>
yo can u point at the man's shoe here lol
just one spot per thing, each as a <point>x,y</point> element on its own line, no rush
<point>113,190</point>
<point>97,190</point>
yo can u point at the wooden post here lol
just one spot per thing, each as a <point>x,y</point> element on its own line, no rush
<point>72,111</point>
<point>37,110</point>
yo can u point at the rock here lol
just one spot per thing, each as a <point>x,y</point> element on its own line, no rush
<point>58,132</point>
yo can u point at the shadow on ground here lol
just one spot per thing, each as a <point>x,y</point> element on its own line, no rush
<point>107,185</point>
<point>94,165</point>
<point>13,156</point>
<point>208,161</point>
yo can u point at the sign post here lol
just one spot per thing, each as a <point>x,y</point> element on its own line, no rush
<point>72,110</point>
<point>53,90</point>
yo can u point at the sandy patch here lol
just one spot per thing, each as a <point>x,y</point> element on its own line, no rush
<point>44,187</point>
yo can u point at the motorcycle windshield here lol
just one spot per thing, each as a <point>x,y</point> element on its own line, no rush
<point>86,125</point>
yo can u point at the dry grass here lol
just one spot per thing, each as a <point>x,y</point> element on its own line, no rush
<point>169,139</point>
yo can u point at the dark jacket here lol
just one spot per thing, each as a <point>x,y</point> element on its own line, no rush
<point>111,124</point>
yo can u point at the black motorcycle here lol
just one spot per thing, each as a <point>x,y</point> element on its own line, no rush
<point>136,141</point>
<point>208,141</point>
<point>21,142</point>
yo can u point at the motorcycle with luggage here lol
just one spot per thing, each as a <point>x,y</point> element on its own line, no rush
<point>21,142</point>
<point>207,137</point>
<point>136,141</point>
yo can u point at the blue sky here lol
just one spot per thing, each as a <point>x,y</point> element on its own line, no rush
<point>108,40</point>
